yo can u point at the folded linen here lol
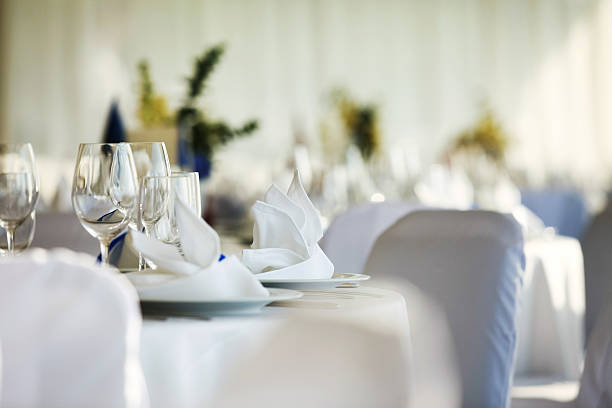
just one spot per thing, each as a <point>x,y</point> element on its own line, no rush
<point>200,273</point>
<point>286,235</point>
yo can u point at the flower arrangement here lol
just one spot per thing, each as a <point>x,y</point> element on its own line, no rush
<point>360,123</point>
<point>152,109</point>
<point>486,136</point>
<point>204,134</point>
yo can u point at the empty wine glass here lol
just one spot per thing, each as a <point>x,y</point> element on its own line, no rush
<point>158,195</point>
<point>22,239</point>
<point>18,187</point>
<point>150,159</point>
<point>105,190</point>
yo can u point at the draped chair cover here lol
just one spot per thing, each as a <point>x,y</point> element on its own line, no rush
<point>471,263</point>
<point>70,333</point>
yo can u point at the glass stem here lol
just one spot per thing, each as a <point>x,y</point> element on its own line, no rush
<point>10,239</point>
<point>104,251</point>
<point>142,264</point>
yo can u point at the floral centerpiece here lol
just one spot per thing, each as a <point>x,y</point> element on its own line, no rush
<point>199,135</point>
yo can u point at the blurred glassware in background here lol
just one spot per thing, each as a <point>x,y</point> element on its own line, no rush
<point>105,190</point>
<point>360,184</point>
<point>445,187</point>
<point>19,187</point>
<point>24,234</point>
<point>150,159</point>
<point>158,196</point>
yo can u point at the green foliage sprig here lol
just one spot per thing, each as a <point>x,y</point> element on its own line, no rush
<point>207,134</point>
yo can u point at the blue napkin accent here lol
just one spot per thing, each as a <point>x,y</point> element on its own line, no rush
<point>116,247</point>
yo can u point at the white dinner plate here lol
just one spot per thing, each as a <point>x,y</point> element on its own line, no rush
<point>224,307</point>
<point>315,284</point>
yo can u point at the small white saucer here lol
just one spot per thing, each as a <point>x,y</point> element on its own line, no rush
<point>315,284</point>
<point>221,307</point>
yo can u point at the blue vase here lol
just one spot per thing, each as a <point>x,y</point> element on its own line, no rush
<point>187,158</point>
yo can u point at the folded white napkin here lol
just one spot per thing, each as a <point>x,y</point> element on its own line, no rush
<point>286,235</point>
<point>200,274</point>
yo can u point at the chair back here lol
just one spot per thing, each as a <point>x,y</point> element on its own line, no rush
<point>595,385</point>
<point>470,263</point>
<point>70,333</point>
<point>597,266</point>
<point>350,237</point>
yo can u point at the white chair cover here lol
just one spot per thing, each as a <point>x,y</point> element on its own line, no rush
<point>350,237</point>
<point>471,263</point>
<point>70,333</point>
<point>321,363</point>
<point>595,384</point>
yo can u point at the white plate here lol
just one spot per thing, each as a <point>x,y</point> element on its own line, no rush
<point>224,307</point>
<point>315,284</point>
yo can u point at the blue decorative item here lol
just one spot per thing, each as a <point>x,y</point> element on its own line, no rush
<point>187,158</point>
<point>114,132</point>
<point>116,248</point>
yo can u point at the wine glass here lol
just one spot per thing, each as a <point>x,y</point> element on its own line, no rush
<point>158,196</point>
<point>150,159</point>
<point>18,188</point>
<point>186,186</point>
<point>105,190</point>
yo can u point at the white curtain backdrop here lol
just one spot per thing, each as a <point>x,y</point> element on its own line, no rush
<point>544,66</point>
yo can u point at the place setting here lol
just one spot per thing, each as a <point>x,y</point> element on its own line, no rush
<point>181,267</point>
<point>193,277</point>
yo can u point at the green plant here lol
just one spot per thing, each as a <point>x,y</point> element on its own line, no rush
<point>207,134</point>
<point>360,122</point>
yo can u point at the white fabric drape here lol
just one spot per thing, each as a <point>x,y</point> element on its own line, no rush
<point>544,66</point>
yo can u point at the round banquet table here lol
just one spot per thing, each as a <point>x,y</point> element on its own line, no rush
<point>552,307</point>
<point>185,359</point>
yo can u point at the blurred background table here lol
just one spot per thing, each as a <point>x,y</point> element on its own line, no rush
<point>551,323</point>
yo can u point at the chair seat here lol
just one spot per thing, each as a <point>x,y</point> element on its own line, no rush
<point>544,392</point>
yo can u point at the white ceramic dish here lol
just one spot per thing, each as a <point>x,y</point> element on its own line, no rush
<point>223,307</point>
<point>315,284</point>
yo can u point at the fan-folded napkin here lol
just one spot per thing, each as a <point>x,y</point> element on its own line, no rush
<point>200,274</point>
<point>286,235</point>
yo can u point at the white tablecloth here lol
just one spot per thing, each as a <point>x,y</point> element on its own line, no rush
<point>551,321</point>
<point>184,360</point>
